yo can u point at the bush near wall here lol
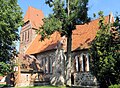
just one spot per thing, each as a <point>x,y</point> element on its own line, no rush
<point>115,86</point>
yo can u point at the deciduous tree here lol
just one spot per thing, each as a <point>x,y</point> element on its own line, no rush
<point>105,52</point>
<point>10,20</point>
<point>66,15</point>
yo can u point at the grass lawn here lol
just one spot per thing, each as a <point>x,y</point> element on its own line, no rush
<point>44,87</point>
<point>2,85</point>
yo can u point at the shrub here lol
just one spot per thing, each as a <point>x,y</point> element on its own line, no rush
<point>114,86</point>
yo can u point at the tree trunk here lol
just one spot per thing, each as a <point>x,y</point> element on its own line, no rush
<point>68,60</point>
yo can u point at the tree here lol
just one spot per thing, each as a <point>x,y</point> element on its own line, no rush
<point>105,52</point>
<point>10,20</point>
<point>66,15</point>
<point>4,68</point>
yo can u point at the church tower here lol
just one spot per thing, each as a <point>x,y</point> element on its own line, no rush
<point>32,22</point>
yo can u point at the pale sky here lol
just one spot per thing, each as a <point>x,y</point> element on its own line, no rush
<point>95,6</point>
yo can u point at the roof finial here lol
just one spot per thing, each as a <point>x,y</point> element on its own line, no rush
<point>110,17</point>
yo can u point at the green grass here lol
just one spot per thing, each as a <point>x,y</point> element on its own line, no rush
<point>2,84</point>
<point>44,87</point>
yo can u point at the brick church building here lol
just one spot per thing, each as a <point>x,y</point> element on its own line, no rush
<point>50,54</point>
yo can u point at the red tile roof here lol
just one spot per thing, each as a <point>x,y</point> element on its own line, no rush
<point>35,17</point>
<point>81,38</point>
<point>39,46</point>
<point>85,34</point>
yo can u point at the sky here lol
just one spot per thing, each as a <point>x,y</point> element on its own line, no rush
<point>95,6</point>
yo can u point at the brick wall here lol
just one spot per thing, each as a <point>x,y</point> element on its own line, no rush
<point>25,79</point>
<point>27,35</point>
<point>84,79</point>
<point>58,65</point>
<point>46,60</point>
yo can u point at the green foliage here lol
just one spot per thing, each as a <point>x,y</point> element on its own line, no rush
<point>64,17</point>
<point>1,74</point>
<point>114,86</point>
<point>4,68</point>
<point>10,20</point>
<point>105,52</point>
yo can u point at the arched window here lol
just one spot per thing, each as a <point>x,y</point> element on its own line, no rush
<point>81,63</point>
<point>46,66</point>
<point>88,58</point>
<point>28,36</point>
<point>50,65</point>
<point>84,63</point>
<point>76,64</point>
<point>26,77</point>
<point>23,36</point>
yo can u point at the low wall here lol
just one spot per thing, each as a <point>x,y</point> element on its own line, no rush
<point>84,79</point>
<point>2,82</point>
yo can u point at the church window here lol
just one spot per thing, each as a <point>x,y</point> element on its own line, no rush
<point>77,63</point>
<point>86,62</point>
<point>28,35</point>
<point>46,65</point>
<point>22,36</point>
<point>25,35</point>
<point>88,58</point>
<point>42,63</point>
<point>82,63</point>
<point>26,77</point>
<point>50,65</point>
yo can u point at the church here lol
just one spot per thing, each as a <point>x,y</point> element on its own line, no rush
<point>50,55</point>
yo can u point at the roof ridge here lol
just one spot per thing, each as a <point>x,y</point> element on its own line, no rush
<point>35,16</point>
<point>98,18</point>
<point>94,20</point>
<point>34,8</point>
<point>31,43</point>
